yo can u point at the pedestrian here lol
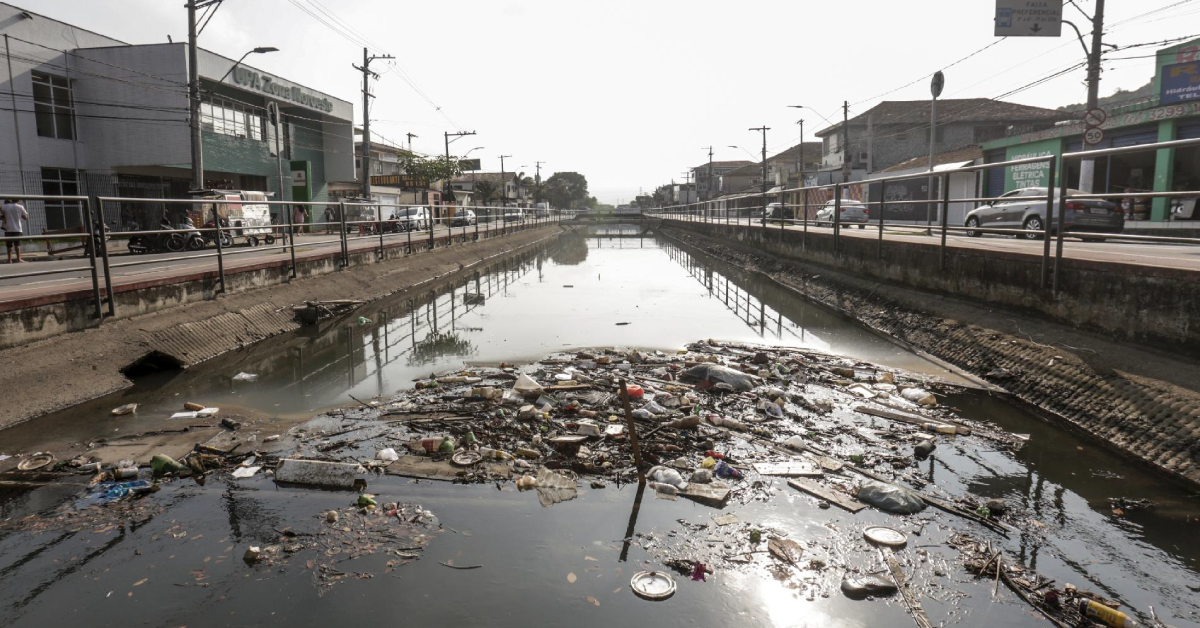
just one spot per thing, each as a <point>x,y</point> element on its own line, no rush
<point>1127,205</point>
<point>300,218</point>
<point>329,218</point>
<point>12,213</point>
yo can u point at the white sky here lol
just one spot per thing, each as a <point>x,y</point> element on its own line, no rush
<point>627,92</point>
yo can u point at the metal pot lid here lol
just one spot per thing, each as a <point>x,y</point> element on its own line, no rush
<point>880,535</point>
<point>36,461</point>
<point>653,585</point>
<point>466,458</point>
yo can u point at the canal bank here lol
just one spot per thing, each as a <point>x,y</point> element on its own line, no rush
<point>75,367</point>
<point>1140,401</point>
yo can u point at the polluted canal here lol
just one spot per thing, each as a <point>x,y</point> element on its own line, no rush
<point>467,456</point>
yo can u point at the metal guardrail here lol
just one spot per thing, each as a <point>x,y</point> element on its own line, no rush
<point>469,223</point>
<point>754,207</point>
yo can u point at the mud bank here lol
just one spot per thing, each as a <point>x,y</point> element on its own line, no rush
<point>1139,401</point>
<point>68,369</point>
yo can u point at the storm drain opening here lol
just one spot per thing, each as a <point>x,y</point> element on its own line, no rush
<point>152,362</point>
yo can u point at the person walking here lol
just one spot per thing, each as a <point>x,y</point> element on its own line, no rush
<point>11,214</point>
<point>300,218</point>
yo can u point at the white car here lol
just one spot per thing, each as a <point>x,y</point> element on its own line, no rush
<point>412,218</point>
<point>853,212</point>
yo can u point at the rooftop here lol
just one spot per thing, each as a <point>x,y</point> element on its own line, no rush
<point>958,155</point>
<point>949,110</point>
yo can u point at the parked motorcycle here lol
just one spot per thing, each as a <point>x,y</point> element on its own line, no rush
<point>210,237</point>
<point>174,242</point>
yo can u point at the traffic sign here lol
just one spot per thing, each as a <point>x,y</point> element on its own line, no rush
<point>938,82</point>
<point>1095,117</point>
<point>1028,18</point>
<point>1093,136</point>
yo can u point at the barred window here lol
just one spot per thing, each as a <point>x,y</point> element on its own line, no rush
<point>231,118</point>
<point>61,182</point>
<point>53,107</point>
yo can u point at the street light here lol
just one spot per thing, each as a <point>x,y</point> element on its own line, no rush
<point>473,171</point>
<point>752,155</point>
<point>814,111</point>
<point>260,50</point>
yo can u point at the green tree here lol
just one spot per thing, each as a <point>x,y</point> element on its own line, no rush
<point>486,191</point>
<point>566,190</point>
<point>434,169</point>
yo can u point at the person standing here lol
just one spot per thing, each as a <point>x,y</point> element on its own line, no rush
<point>329,218</point>
<point>11,214</point>
<point>300,218</point>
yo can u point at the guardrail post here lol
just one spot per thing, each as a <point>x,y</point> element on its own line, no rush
<point>220,249</point>
<point>90,244</point>
<point>408,230</point>
<point>837,215</point>
<point>432,224</point>
<point>1062,211</point>
<point>945,215</point>
<point>379,222</point>
<point>108,280</point>
<point>290,236</point>
<point>804,208</point>
<point>882,207</point>
<point>1046,224</point>
<point>342,225</point>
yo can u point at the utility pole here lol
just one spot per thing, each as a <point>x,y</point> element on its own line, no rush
<point>12,92</point>
<point>503,183</point>
<point>709,180</point>
<point>1087,168</point>
<point>847,156</point>
<point>800,166</point>
<point>194,99</point>
<point>410,136</point>
<point>764,130</point>
<point>537,192</point>
<point>366,144</point>
<point>935,89</point>
<point>446,136</point>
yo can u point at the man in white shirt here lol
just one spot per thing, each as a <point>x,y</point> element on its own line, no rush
<point>11,214</point>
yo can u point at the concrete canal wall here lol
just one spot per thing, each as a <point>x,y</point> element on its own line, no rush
<point>1155,305</point>
<point>180,324</point>
<point>1135,399</point>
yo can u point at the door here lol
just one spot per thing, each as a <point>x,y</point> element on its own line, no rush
<point>994,216</point>
<point>1015,212</point>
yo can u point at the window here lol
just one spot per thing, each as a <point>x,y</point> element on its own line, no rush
<point>53,107</point>
<point>825,145</point>
<point>229,118</point>
<point>61,214</point>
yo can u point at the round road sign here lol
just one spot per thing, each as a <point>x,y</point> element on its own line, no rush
<point>1095,117</point>
<point>938,82</point>
<point>1093,136</point>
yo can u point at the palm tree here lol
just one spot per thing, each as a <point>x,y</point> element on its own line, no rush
<point>487,191</point>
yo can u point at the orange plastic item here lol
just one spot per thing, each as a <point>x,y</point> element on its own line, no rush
<point>635,391</point>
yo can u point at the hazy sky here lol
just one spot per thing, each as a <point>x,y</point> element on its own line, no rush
<point>627,93</point>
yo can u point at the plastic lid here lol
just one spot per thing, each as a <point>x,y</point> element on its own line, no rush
<point>36,461</point>
<point>653,585</point>
<point>466,458</point>
<point>880,535</point>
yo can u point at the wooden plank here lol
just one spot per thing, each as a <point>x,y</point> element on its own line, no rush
<point>830,495</point>
<point>791,469</point>
<point>706,494</point>
<point>897,416</point>
<point>829,464</point>
<point>910,597</point>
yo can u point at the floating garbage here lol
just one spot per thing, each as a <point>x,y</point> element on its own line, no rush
<point>36,461</point>
<point>128,408</point>
<point>891,498</point>
<point>709,375</point>
<point>321,473</point>
<point>652,585</point>
<point>245,377</point>
<point>860,587</point>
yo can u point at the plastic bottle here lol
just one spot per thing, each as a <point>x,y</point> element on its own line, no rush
<point>1109,616</point>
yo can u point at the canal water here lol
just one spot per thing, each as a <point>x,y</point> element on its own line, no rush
<point>570,564</point>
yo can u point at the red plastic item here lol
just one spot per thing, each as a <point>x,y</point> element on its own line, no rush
<point>635,391</point>
<point>714,455</point>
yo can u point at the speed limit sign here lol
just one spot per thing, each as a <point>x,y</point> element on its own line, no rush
<point>1093,136</point>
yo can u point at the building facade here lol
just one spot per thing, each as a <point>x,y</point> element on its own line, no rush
<point>1171,113</point>
<point>102,117</point>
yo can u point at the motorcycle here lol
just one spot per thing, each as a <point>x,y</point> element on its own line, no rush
<point>174,242</point>
<point>210,237</point>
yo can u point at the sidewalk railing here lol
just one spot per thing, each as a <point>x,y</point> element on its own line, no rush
<point>835,201</point>
<point>407,227</point>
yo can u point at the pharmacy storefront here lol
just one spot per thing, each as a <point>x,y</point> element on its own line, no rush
<point>1172,113</point>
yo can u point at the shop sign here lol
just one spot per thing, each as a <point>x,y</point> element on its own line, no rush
<point>251,79</point>
<point>402,181</point>
<point>1180,83</point>
<point>1030,175</point>
<point>1179,110</point>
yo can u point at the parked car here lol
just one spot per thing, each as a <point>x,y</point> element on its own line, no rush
<point>516,214</point>
<point>776,212</point>
<point>412,218</point>
<point>853,212</point>
<point>463,218</point>
<point>1022,209</point>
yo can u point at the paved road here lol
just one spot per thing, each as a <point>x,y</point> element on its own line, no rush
<point>1185,256</point>
<point>76,275</point>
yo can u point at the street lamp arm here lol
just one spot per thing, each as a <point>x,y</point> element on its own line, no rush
<point>259,50</point>
<point>1086,52</point>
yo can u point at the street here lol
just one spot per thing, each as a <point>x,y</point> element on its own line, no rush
<point>127,268</point>
<point>1182,256</point>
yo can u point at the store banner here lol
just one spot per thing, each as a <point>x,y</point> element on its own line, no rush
<point>1180,83</point>
<point>1030,175</point>
<point>901,197</point>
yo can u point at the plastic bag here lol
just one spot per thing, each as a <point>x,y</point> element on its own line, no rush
<point>711,374</point>
<point>654,408</point>
<point>666,475</point>
<point>920,396</point>
<point>527,386</point>
<point>701,476</point>
<point>891,498</point>
<point>387,454</point>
